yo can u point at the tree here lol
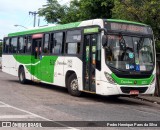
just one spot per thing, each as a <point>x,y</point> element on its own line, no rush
<point>78,10</point>
<point>72,12</point>
<point>52,11</point>
<point>89,9</point>
<point>145,11</point>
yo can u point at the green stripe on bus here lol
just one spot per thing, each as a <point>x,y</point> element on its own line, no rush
<point>128,81</point>
<point>91,30</point>
<point>125,21</point>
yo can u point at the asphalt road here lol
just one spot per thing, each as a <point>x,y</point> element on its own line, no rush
<point>41,102</point>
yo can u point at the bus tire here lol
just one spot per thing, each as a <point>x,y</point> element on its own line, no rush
<point>21,75</point>
<point>72,85</point>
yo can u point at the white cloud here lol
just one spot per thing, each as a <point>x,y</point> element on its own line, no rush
<point>24,5</point>
<point>21,5</point>
<point>17,12</point>
<point>6,26</point>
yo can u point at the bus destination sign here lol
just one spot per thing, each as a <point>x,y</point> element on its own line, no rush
<point>128,28</point>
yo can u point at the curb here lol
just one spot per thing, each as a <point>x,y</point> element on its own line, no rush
<point>148,100</point>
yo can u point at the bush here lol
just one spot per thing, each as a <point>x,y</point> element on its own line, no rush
<point>158,46</point>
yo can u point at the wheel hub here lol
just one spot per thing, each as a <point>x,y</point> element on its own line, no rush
<point>74,85</point>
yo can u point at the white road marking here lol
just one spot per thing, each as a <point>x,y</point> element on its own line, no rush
<point>4,106</point>
<point>16,116</point>
<point>38,116</point>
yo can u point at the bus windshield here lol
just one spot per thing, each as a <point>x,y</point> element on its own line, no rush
<point>129,53</point>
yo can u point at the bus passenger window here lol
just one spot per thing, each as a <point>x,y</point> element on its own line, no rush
<point>13,45</point>
<point>73,42</point>
<point>73,48</point>
<point>46,44</point>
<point>6,45</point>
<point>28,44</point>
<point>58,39</point>
<point>21,45</point>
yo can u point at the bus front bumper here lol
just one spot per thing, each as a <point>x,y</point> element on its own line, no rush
<point>105,88</point>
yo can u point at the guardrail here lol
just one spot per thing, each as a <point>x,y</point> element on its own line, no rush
<point>157,91</point>
<point>0,62</point>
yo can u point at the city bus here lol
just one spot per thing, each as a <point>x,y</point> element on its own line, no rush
<point>99,56</point>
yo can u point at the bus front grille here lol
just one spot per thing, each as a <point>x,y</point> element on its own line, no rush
<point>128,89</point>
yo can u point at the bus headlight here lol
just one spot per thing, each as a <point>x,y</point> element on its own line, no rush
<point>154,78</point>
<point>109,78</point>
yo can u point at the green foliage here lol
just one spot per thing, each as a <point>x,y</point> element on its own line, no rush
<point>52,11</point>
<point>72,13</point>
<point>145,11</point>
<point>158,46</point>
<point>77,11</point>
<point>89,9</point>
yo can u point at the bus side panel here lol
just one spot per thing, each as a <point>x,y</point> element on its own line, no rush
<point>58,74</point>
<point>9,65</point>
<point>25,61</point>
<point>105,88</point>
<point>76,65</point>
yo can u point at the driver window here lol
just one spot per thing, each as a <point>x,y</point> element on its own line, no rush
<point>112,50</point>
<point>119,51</point>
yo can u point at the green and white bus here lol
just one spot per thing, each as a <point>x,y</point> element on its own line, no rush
<point>100,56</point>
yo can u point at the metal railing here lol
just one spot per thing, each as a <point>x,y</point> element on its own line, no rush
<point>157,91</point>
<point>0,62</point>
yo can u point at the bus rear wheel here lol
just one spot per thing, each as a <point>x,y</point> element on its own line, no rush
<point>21,75</point>
<point>73,85</point>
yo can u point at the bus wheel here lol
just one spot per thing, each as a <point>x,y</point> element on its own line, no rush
<point>73,85</point>
<point>21,75</point>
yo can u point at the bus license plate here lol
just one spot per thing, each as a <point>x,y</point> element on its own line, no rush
<point>134,92</point>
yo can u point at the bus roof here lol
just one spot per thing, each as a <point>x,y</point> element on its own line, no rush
<point>125,21</point>
<point>45,29</point>
<point>64,26</point>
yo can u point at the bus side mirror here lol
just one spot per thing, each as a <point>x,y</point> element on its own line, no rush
<point>104,40</point>
<point>103,29</point>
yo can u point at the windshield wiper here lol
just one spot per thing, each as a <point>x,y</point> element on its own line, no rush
<point>140,44</point>
<point>122,43</point>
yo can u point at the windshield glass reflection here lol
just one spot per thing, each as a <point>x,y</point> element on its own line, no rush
<point>129,53</point>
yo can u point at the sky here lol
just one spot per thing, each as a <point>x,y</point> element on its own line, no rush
<point>16,12</point>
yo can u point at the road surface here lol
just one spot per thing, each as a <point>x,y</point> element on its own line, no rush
<point>41,102</point>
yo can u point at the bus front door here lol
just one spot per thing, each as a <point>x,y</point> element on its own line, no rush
<point>36,58</point>
<point>90,62</point>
